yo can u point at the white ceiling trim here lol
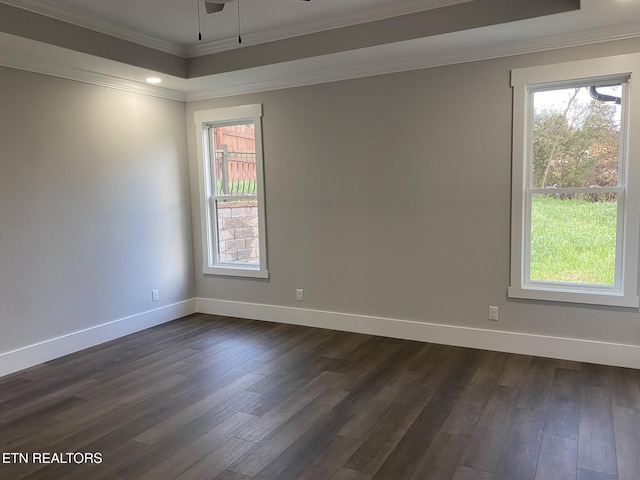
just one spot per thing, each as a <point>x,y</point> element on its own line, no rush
<point>20,62</point>
<point>81,19</point>
<point>326,68</point>
<point>304,28</point>
<point>322,72</point>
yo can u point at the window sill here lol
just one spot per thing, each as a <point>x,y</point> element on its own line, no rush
<point>577,295</point>
<point>248,272</point>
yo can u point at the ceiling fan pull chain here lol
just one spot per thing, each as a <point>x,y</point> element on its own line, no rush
<point>199,27</point>
<point>214,6</point>
<point>239,36</point>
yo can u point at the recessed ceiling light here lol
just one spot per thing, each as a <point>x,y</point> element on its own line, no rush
<point>154,80</point>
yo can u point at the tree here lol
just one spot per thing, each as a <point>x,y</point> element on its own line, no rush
<point>576,141</point>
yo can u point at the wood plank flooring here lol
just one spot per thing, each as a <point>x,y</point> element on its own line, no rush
<point>209,397</point>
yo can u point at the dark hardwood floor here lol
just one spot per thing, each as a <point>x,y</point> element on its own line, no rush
<point>208,397</point>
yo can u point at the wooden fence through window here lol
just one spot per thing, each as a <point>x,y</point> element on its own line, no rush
<point>236,172</point>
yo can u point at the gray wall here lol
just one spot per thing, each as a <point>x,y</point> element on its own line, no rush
<point>94,206</point>
<point>386,196</point>
<point>390,196</point>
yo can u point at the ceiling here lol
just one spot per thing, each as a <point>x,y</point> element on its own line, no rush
<point>286,42</point>
<point>175,22</point>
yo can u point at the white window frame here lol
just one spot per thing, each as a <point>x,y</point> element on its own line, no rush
<point>221,117</point>
<point>524,82</point>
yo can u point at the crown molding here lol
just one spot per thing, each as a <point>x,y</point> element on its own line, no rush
<point>81,19</point>
<point>327,68</point>
<point>397,63</point>
<point>21,62</point>
<point>306,28</point>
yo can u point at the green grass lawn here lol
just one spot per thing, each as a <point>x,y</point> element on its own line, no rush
<point>573,240</point>
<point>239,187</point>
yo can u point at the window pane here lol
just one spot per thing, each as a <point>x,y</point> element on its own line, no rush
<point>573,238</point>
<point>576,136</point>
<point>235,160</point>
<point>237,231</point>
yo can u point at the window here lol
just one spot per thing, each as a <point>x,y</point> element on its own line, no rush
<point>575,183</point>
<point>232,191</point>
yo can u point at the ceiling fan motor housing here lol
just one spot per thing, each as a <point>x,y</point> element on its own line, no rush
<point>217,5</point>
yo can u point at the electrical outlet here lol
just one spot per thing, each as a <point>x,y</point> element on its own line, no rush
<point>493,313</point>
<point>299,294</point>
<point>155,295</point>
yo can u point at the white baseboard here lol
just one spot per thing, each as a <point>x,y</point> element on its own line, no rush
<point>35,354</point>
<point>603,353</point>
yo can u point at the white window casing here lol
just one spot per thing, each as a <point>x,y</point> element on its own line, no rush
<point>525,81</point>
<point>206,121</point>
